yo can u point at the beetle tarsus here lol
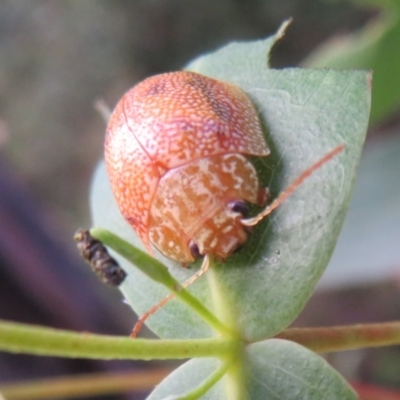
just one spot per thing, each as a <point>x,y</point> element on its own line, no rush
<point>138,326</point>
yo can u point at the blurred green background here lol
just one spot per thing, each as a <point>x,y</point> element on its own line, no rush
<point>58,57</point>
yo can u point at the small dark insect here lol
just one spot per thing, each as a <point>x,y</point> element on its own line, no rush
<point>96,255</point>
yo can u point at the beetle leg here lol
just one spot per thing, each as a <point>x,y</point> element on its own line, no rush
<point>194,249</point>
<point>240,207</point>
<point>203,269</point>
<point>263,196</point>
<point>138,326</point>
<point>291,188</point>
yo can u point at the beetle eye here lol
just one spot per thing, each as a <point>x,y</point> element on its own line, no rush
<point>194,250</point>
<point>239,206</point>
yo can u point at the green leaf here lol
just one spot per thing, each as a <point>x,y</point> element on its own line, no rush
<point>276,370</point>
<point>306,113</point>
<point>375,46</point>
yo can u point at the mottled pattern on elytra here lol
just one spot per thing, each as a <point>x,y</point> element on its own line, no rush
<point>201,214</point>
<point>133,175</point>
<point>169,120</point>
<point>179,117</point>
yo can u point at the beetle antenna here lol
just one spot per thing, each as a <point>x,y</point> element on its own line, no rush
<point>291,188</point>
<point>203,269</point>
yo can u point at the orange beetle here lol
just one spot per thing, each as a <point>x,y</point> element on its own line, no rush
<point>174,151</point>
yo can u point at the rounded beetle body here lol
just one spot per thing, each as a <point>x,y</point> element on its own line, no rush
<point>175,153</point>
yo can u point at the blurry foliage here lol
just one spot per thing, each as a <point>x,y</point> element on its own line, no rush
<point>375,46</point>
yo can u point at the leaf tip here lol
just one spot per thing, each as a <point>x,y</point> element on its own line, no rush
<point>282,29</point>
<point>280,33</point>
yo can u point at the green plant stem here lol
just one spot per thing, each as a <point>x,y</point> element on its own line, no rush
<point>24,338</point>
<point>159,273</point>
<point>84,385</point>
<point>234,382</point>
<point>323,340</point>
<point>235,387</point>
